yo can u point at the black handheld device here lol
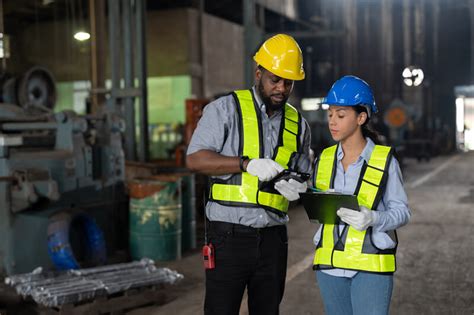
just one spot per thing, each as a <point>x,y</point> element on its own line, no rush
<point>287,175</point>
<point>283,175</point>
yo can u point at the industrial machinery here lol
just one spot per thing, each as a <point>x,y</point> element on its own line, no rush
<point>35,88</point>
<point>403,122</point>
<point>63,202</point>
<point>57,163</point>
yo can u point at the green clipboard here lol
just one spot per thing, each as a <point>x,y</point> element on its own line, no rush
<point>322,206</point>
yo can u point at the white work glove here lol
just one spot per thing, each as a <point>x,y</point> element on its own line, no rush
<point>290,189</point>
<point>264,169</point>
<point>359,220</point>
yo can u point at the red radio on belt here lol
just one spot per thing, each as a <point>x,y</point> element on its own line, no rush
<point>208,256</point>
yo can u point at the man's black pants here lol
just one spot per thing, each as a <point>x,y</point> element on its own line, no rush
<point>246,257</point>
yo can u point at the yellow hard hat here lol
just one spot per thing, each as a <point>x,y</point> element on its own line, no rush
<point>282,56</point>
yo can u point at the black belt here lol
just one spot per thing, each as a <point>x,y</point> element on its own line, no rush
<point>239,229</point>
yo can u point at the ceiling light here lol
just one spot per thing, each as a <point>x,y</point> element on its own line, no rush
<point>310,103</point>
<point>82,36</point>
<point>413,76</point>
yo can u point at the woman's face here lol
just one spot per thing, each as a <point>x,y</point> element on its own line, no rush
<point>344,121</point>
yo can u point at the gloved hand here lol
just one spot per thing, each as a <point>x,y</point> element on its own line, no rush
<point>264,169</point>
<point>359,220</point>
<point>290,189</point>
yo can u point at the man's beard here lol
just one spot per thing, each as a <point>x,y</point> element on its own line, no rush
<point>268,101</point>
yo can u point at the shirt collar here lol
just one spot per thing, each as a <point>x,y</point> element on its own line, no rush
<point>366,153</point>
<point>261,104</point>
<point>259,101</point>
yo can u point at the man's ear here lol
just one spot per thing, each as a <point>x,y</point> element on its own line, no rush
<point>258,74</point>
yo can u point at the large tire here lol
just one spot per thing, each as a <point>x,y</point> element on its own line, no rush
<point>63,250</point>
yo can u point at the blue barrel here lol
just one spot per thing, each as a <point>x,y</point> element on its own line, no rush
<point>155,218</point>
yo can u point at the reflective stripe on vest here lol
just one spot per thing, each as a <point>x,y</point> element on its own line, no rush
<point>355,249</point>
<point>243,189</point>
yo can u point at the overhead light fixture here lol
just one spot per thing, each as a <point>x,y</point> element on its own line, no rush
<point>412,76</point>
<point>82,36</point>
<point>310,104</point>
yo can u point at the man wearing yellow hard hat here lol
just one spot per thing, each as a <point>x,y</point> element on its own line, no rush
<point>255,147</point>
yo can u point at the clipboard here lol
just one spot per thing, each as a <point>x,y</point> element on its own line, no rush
<point>322,206</point>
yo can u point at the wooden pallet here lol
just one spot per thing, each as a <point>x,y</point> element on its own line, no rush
<point>114,304</point>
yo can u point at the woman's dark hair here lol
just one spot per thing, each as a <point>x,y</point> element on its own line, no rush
<point>367,130</point>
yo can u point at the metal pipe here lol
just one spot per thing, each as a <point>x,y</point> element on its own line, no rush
<point>55,290</point>
<point>250,39</point>
<point>97,25</point>
<point>144,262</point>
<point>28,126</point>
<point>140,28</point>
<point>114,42</point>
<point>202,48</point>
<point>130,138</point>
<point>407,31</point>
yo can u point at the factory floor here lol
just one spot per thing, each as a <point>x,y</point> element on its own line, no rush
<point>435,256</point>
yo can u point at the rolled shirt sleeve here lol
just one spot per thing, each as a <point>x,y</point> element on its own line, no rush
<point>213,127</point>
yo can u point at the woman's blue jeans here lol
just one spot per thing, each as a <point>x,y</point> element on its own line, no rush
<point>365,293</point>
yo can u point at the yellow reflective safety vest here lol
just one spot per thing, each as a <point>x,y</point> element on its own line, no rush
<point>242,189</point>
<point>353,249</point>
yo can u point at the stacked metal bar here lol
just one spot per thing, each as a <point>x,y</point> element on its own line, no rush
<point>57,288</point>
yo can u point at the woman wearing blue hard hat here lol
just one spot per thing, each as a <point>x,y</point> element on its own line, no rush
<point>355,258</point>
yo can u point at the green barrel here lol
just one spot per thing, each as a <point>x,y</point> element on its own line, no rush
<point>155,218</point>
<point>188,240</point>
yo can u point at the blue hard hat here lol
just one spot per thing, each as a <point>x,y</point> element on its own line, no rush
<point>351,91</point>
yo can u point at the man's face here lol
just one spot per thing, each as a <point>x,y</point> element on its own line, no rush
<point>274,90</point>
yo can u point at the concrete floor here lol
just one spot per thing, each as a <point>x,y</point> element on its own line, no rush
<point>435,256</point>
